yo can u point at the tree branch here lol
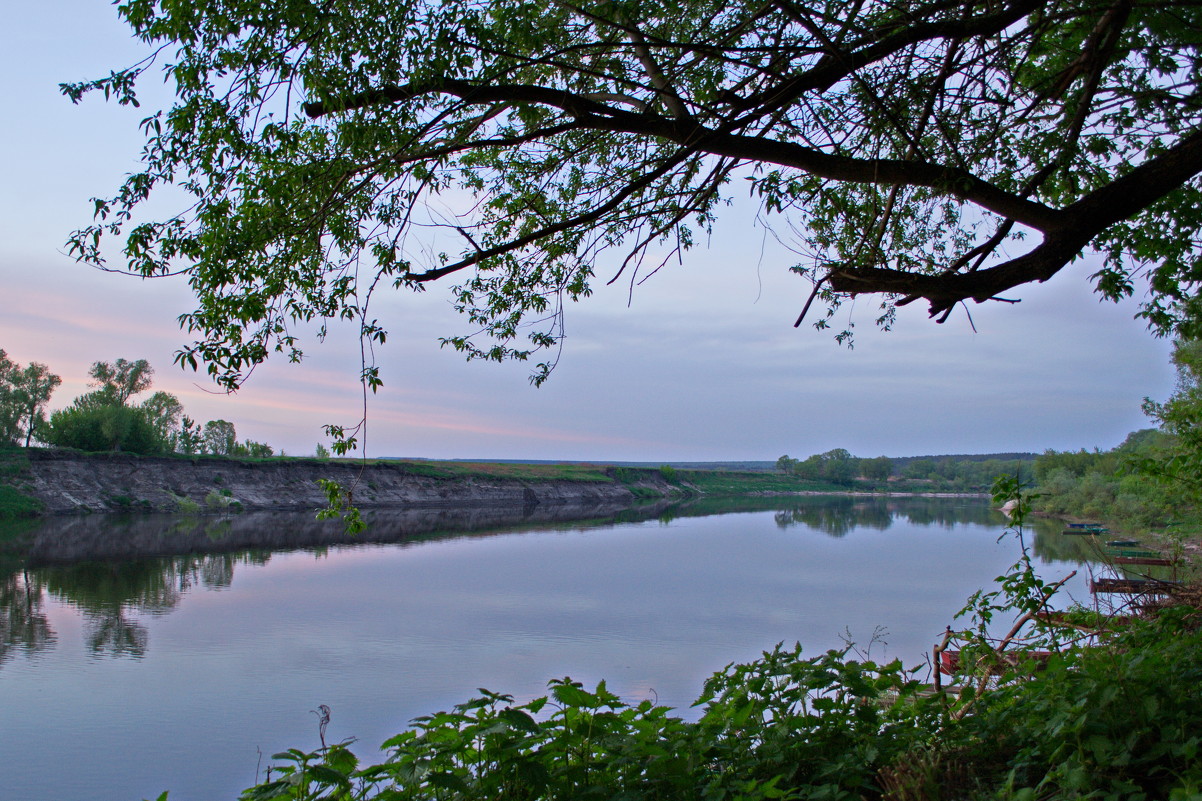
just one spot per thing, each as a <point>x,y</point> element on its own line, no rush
<point>689,133</point>
<point>581,219</point>
<point>1082,221</point>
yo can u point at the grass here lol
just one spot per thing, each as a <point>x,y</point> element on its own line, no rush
<point>721,482</point>
<point>518,472</point>
<point>15,504</point>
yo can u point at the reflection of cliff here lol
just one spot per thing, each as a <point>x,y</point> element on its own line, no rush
<point>71,539</point>
<point>108,568</point>
<point>23,624</point>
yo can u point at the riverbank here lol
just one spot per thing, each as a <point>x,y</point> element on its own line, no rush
<point>55,482</point>
<point>48,482</point>
<point>1180,542</point>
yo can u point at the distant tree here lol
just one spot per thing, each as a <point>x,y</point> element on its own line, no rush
<point>122,379</point>
<point>220,438</point>
<point>809,469</point>
<point>191,439</point>
<point>252,449</point>
<point>878,469</point>
<point>322,452</point>
<point>839,466</point>
<point>1142,440</point>
<point>33,387</point>
<point>786,465</point>
<point>1179,460</point>
<point>919,469</point>
<point>24,393</point>
<point>163,412</point>
<point>103,419</point>
<point>9,414</point>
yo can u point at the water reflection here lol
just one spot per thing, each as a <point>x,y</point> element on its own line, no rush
<point>107,594</point>
<point>98,564</point>
<point>837,516</point>
<point>228,631</point>
<point>107,566</point>
<point>110,537</point>
<point>23,623</point>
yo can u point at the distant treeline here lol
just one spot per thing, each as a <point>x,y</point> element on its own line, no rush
<point>975,472</point>
<point>940,465</point>
<point>900,462</point>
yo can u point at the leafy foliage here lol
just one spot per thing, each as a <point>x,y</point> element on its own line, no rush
<point>910,150</point>
<point>104,428</point>
<point>779,722</point>
<point>122,379</point>
<point>958,474</point>
<point>220,437</point>
<point>104,420</point>
<point>1114,722</point>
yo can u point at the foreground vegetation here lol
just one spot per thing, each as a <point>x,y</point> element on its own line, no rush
<point>1112,713</point>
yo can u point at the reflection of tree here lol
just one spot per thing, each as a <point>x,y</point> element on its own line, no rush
<point>837,516</point>
<point>948,513</point>
<point>108,592</point>
<point>23,624</point>
<point>111,632</point>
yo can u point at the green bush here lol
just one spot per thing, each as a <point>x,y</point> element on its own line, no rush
<point>104,428</point>
<point>1121,721</point>
<point>781,725</point>
<point>185,505</point>
<point>218,499</point>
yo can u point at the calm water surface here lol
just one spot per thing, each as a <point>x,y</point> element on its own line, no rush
<point>123,678</point>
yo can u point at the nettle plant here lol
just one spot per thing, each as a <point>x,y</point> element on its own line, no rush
<point>780,726</point>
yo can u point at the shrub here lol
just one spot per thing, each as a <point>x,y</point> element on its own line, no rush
<point>218,499</point>
<point>103,428</point>
<point>185,505</point>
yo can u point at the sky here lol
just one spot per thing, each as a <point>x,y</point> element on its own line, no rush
<point>701,362</point>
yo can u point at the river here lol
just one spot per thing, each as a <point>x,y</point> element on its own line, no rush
<point>124,676</point>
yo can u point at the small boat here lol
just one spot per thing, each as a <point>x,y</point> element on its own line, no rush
<point>1134,552</point>
<point>1083,525</point>
<point>1122,543</point>
<point>1131,586</point>
<point>949,661</point>
<point>1087,532</point>
<point>1143,560</point>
